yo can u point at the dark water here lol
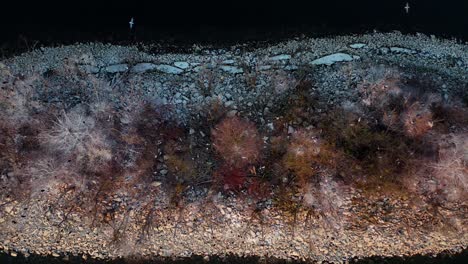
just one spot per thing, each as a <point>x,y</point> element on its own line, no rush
<point>34,259</point>
<point>174,24</point>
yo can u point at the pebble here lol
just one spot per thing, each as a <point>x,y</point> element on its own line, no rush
<point>143,67</point>
<point>280,57</point>
<point>231,113</point>
<point>116,68</point>
<point>229,62</point>
<point>229,103</point>
<point>89,69</point>
<point>168,69</point>
<point>358,45</point>
<point>402,50</point>
<point>231,69</point>
<point>181,64</point>
<point>8,209</point>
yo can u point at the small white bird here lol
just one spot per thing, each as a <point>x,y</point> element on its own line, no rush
<point>131,23</point>
<point>407,7</point>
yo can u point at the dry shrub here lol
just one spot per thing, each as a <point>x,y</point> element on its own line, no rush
<point>215,110</point>
<point>237,141</point>
<point>447,117</point>
<point>259,189</point>
<point>283,82</point>
<point>178,160</point>
<point>230,178</point>
<point>374,153</point>
<point>278,147</point>
<point>143,137</point>
<point>96,152</point>
<point>417,120</point>
<point>10,183</point>
<point>401,108</point>
<point>76,134</point>
<point>8,153</point>
<point>48,174</point>
<point>326,198</point>
<point>446,179</point>
<point>69,132</point>
<point>206,81</point>
<point>18,97</point>
<point>451,171</point>
<point>288,201</point>
<point>299,105</point>
<point>379,85</point>
<point>306,153</point>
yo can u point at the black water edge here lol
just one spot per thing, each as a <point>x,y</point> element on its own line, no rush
<point>444,257</point>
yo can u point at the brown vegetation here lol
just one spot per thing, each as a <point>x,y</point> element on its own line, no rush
<point>88,155</point>
<point>237,141</point>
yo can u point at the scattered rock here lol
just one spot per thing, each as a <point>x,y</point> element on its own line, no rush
<point>143,67</point>
<point>231,69</point>
<point>291,67</point>
<point>181,64</point>
<point>402,50</point>
<point>264,67</point>
<point>116,68</point>
<point>384,50</point>
<point>229,62</point>
<point>231,113</point>
<point>333,58</point>
<point>89,69</point>
<point>168,69</point>
<point>280,57</point>
<point>358,45</point>
<point>8,209</point>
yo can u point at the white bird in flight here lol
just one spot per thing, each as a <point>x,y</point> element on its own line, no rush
<point>407,7</point>
<point>131,23</point>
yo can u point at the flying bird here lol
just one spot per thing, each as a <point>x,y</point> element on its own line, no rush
<point>131,23</point>
<point>407,7</point>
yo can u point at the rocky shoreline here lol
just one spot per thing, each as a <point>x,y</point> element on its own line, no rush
<point>219,224</point>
